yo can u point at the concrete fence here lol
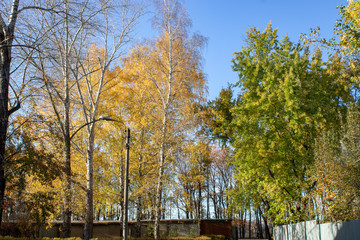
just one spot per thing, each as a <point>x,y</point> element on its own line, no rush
<point>310,230</point>
<point>168,228</point>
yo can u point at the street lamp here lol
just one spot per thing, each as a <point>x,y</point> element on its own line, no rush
<point>126,187</point>
<point>126,192</point>
<point>101,118</point>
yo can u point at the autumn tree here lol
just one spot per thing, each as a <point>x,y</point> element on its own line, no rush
<point>221,181</point>
<point>288,96</point>
<point>63,44</point>
<point>32,173</point>
<point>169,71</point>
<point>179,54</point>
<point>191,169</point>
<point>14,64</point>
<point>6,44</point>
<point>336,170</point>
<point>95,75</point>
<point>137,110</point>
<point>347,29</point>
<point>73,80</point>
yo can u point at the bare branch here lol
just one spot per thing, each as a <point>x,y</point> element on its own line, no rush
<point>2,25</point>
<point>78,184</point>
<point>15,108</point>
<point>19,45</point>
<point>40,8</point>
<point>13,17</point>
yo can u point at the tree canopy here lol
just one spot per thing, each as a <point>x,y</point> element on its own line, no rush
<point>280,145</point>
<point>288,96</point>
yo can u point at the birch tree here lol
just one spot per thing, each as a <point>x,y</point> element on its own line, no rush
<point>169,70</point>
<point>173,23</point>
<point>55,64</point>
<point>95,75</point>
<point>65,67</point>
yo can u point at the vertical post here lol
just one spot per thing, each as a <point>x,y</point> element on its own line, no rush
<point>126,193</point>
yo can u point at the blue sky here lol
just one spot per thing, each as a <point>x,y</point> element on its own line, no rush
<point>224,23</point>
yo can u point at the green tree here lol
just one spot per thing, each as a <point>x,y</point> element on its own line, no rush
<point>31,175</point>
<point>217,117</point>
<point>288,96</point>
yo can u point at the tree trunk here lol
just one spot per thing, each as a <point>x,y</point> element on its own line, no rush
<point>98,214</point>
<point>257,221</point>
<point>267,229</point>
<point>138,218</point>
<point>66,231</point>
<point>214,198</point>
<point>6,40</point>
<point>66,228</point>
<point>208,198</point>
<point>158,197</point>
<point>238,229</point>
<point>4,117</point>
<point>138,207</point>
<point>243,226</point>
<point>250,223</point>
<point>199,201</point>
<point>159,193</point>
<point>260,227</point>
<point>89,218</point>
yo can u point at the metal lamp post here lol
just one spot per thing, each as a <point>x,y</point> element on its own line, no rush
<point>126,187</point>
<point>126,191</point>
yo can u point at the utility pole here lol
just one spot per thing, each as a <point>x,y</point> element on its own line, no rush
<point>126,192</point>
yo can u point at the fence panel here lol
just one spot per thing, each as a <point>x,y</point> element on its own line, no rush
<point>309,230</point>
